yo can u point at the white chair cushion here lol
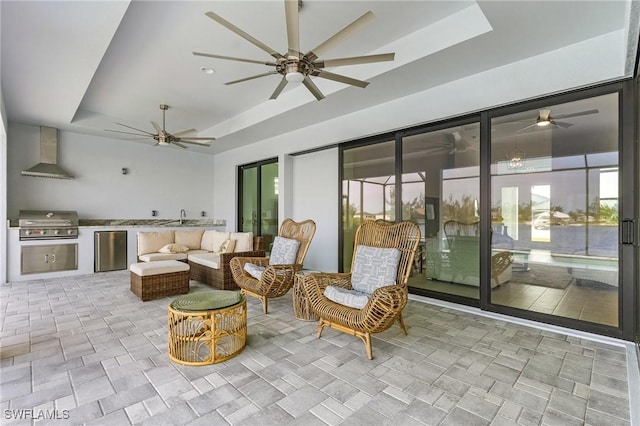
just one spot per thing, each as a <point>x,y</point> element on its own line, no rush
<point>284,251</point>
<point>156,257</point>
<point>210,260</point>
<point>244,241</point>
<point>351,298</point>
<point>151,242</point>
<point>374,267</point>
<point>173,248</point>
<point>254,270</point>
<point>191,238</point>
<point>155,268</point>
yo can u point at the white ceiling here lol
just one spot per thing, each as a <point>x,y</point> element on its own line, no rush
<point>82,66</point>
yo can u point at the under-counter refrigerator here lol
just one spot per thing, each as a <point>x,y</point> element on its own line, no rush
<point>110,250</point>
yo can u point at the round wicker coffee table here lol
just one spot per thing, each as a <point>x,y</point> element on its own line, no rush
<point>301,307</point>
<point>207,327</point>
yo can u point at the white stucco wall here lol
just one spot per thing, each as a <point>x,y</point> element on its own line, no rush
<point>160,178</point>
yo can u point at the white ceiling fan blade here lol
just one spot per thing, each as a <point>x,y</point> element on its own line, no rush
<point>157,127</point>
<point>562,124</point>
<point>293,27</point>
<point>251,78</point>
<point>133,128</point>
<point>185,132</point>
<point>279,88</point>
<point>180,145</point>
<point>527,127</point>
<point>219,19</point>
<point>309,84</point>
<point>196,140</point>
<point>340,78</point>
<point>344,33</point>
<point>356,60</point>
<point>192,142</point>
<point>130,133</point>
<point>577,114</point>
<point>232,58</point>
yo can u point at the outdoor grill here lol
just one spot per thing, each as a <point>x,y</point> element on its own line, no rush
<point>48,225</point>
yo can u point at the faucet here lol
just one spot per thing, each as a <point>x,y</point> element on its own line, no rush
<point>183,215</point>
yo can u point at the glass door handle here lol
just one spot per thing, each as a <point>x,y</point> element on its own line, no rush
<point>628,232</point>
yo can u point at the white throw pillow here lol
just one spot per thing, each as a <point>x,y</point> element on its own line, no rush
<point>284,251</point>
<point>227,246</point>
<point>244,241</point>
<point>174,248</point>
<point>374,267</point>
<point>254,270</point>
<point>351,298</point>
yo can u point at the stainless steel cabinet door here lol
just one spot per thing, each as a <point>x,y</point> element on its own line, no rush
<point>48,258</point>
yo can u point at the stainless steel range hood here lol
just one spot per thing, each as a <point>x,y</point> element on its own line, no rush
<point>48,167</point>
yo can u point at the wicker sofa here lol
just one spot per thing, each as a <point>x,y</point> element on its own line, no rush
<point>202,251</point>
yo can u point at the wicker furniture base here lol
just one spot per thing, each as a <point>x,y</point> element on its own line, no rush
<point>301,307</point>
<point>161,285</point>
<point>221,278</point>
<point>207,337</point>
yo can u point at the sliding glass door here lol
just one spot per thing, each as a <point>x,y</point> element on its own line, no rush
<point>555,209</point>
<point>524,210</point>
<point>441,191</point>
<point>258,198</point>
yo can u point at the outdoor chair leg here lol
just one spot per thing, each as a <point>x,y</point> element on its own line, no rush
<point>401,323</point>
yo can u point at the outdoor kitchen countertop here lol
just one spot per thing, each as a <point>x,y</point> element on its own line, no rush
<point>149,223</point>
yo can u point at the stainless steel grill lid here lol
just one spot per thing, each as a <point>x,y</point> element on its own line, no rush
<point>47,218</point>
<point>47,224</point>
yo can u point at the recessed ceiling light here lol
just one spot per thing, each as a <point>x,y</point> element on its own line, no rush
<point>207,70</point>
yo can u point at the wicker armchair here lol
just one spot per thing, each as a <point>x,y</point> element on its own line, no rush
<point>385,304</point>
<point>276,280</point>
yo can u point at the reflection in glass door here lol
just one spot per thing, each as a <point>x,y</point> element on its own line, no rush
<point>368,190</point>
<point>554,205</point>
<point>441,190</point>
<point>258,198</point>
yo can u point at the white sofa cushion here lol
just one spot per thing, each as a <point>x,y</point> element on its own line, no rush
<point>173,248</point>
<point>144,269</point>
<point>152,242</point>
<point>189,238</point>
<point>284,251</point>
<point>351,298</point>
<point>374,267</point>
<point>212,240</point>
<point>244,241</point>
<point>155,257</point>
<point>210,260</point>
<point>254,270</point>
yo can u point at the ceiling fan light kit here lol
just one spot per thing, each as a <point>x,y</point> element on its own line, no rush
<point>544,119</point>
<point>295,67</point>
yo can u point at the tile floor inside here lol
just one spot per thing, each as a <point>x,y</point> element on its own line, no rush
<point>85,350</point>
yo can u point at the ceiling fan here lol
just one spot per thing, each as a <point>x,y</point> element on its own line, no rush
<point>162,137</point>
<point>544,119</point>
<point>295,67</point>
<point>457,143</point>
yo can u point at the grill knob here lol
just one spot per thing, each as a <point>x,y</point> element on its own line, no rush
<point>27,232</point>
<point>43,232</point>
<point>56,232</point>
<point>69,231</point>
